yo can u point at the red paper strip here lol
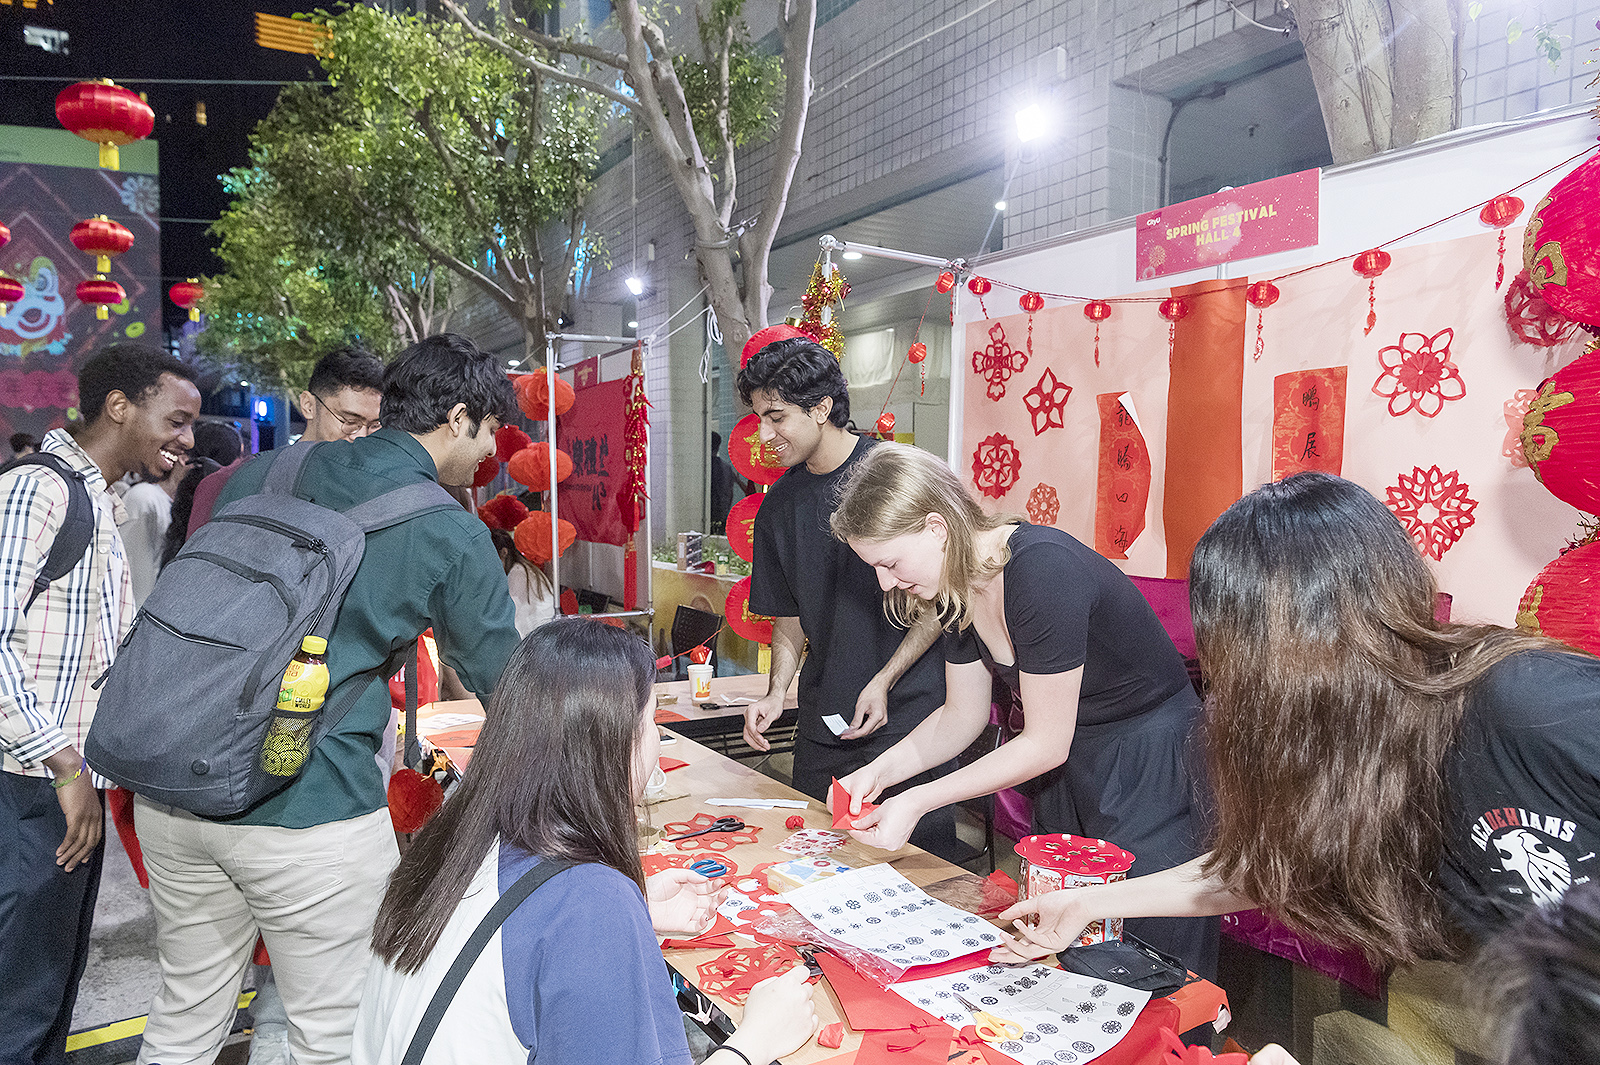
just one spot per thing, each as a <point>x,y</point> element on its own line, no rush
<point>669,764</point>
<point>1123,487</point>
<point>842,818</point>
<point>665,717</point>
<point>905,1047</point>
<point>867,1006</point>
<point>1308,421</point>
<point>831,1036</point>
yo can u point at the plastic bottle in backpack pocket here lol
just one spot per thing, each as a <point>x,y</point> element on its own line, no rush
<point>305,685</point>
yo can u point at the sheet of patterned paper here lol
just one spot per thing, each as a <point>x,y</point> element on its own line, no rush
<point>1064,1017</point>
<point>883,913</point>
<point>813,842</point>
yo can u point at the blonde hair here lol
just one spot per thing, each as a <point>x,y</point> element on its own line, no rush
<point>890,493</point>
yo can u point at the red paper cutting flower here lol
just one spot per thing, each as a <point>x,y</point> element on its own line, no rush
<point>1516,412</point>
<point>996,465</point>
<point>1418,374</point>
<point>1433,507</point>
<point>1044,505</point>
<point>1045,401</point>
<point>997,362</point>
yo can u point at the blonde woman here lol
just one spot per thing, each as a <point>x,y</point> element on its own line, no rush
<point>1097,676</point>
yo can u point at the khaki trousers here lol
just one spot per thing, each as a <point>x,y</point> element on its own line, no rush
<point>313,894</point>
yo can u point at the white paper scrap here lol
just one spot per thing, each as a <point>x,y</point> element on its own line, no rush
<point>883,913</point>
<point>445,722</point>
<point>836,724</point>
<point>762,804</point>
<point>1064,1017</point>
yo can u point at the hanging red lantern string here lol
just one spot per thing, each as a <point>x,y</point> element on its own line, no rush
<point>917,353</point>
<point>1369,264</point>
<point>979,287</point>
<point>885,425</point>
<point>102,293</point>
<point>102,238</point>
<point>1262,294</point>
<point>1499,213</point>
<point>106,113</point>
<point>1031,302</point>
<point>947,284</point>
<point>188,294</point>
<point>11,290</point>
<point>1174,309</point>
<point>1097,311</point>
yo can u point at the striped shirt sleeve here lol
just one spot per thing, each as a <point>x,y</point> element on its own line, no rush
<point>32,509</point>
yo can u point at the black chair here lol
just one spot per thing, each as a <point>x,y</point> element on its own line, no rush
<point>981,806</point>
<point>692,627</point>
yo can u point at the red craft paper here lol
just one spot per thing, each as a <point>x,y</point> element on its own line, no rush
<point>669,764</point>
<point>905,1047</point>
<point>710,841</point>
<point>1122,488</point>
<point>654,863</point>
<point>458,737</point>
<point>731,975</point>
<point>715,936</point>
<point>842,818</point>
<point>949,965</point>
<point>1308,421</point>
<point>664,716</point>
<point>866,1005</point>
<point>831,1036</point>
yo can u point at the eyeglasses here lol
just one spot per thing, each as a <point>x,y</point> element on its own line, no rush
<point>352,425</point>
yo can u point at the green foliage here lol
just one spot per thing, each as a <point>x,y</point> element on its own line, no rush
<point>755,80</point>
<point>427,152</point>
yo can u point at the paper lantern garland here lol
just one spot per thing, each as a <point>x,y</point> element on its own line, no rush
<point>1261,295</point>
<point>741,526</point>
<point>749,456</point>
<point>533,395</point>
<point>101,292</point>
<point>753,627</point>
<point>1097,311</point>
<point>101,237</point>
<point>532,537</point>
<point>1499,213</point>
<point>503,512</point>
<point>1370,264</point>
<point>508,440</point>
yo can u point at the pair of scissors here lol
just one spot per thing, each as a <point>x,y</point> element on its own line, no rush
<point>721,824</point>
<point>990,1029</point>
<point>709,868</point>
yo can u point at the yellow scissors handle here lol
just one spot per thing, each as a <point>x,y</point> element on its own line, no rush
<point>992,1029</point>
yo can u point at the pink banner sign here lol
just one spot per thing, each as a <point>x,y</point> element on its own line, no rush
<point>1257,219</point>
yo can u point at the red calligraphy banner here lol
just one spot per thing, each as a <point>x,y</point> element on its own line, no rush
<point>1123,486</point>
<point>591,432</point>
<point>1308,421</point>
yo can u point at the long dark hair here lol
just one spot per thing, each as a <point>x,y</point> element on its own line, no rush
<point>552,774</point>
<point>1334,698</point>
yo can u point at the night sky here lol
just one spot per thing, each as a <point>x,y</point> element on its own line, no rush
<point>133,39</point>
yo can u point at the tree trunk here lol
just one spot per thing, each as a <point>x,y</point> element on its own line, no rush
<point>1427,85</point>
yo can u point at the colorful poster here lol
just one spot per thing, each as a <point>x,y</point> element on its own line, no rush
<point>591,432</point>
<point>1123,486</point>
<point>1256,219</point>
<point>1308,421</point>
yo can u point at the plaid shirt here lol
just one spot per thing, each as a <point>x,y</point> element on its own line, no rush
<point>51,655</point>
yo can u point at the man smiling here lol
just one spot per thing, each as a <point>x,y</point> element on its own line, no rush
<point>138,406</point>
<point>877,678</point>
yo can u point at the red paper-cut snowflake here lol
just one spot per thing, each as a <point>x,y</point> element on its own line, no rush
<point>1044,506</point>
<point>1418,373</point>
<point>1516,411</point>
<point>996,465</point>
<point>1434,508</point>
<point>997,362</point>
<point>1045,401</point>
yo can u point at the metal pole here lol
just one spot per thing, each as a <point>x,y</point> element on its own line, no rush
<point>555,508</point>
<point>831,243</point>
<point>649,500</point>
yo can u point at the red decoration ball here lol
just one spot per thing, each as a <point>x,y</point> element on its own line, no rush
<point>1564,600</point>
<point>1561,246</point>
<point>918,352</point>
<point>1262,294</point>
<point>531,466</point>
<point>1501,211</point>
<point>508,440</point>
<point>946,282</point>
<point>1174,309</point>
<point>1097,310</point>
<point>794,822</point>
<point>1371,263</point>
<point>979,286</point>
<point>503,512</point>
<point>1561,434</point>
<point>886,423</point>
<point>486,472</point>
<point>1031,302</point>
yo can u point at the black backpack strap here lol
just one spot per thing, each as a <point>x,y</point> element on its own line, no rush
<point>286,467</point>
<point>413,749</point>
<point>77,527</point>
<point>526,885</point>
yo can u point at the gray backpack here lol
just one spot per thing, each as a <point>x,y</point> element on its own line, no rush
<point>188,701</point>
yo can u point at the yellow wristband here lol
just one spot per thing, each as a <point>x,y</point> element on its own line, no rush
<point>61,782</point>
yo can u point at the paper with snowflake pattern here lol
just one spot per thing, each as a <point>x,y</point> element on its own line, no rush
<point>883,913</point>
<point>1064,1017</point>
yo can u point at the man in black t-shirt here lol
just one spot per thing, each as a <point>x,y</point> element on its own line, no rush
<point>879,679</point>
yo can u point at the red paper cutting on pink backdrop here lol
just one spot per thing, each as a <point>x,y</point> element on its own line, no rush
<point>1418,374</point>
<point>1045,402</point>
<point>996,465</point>
<point>1434,508</point>
<point>997,362</point>
<point>1516,411</point>
<point>1308,421</point>
<point>1044,505</point>
<point>1122,488</point>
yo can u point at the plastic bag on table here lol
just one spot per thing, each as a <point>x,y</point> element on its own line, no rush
<point>792,927</point>
<point>984,896</point>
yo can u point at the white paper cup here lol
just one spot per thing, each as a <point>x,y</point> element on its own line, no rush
<point>700,682</point>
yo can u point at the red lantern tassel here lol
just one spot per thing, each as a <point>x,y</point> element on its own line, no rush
<point>1372,305</point>
<point>1259,343</point>
<point>1500,266</point>
<point>1097,343</point>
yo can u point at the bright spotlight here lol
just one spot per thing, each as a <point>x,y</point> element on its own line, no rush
<point>1032,123</point>
<point>633,325</point>
<point>999,205</point>
<point>851,255</point>
<point>635,286</point>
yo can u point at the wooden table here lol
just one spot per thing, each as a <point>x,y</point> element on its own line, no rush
<point>699,720</point>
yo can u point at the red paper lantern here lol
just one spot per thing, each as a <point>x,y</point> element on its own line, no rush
<point>1031,302</point>
<point>105,113</point>
<point>1097,311</point>
<point>101,237</point>
<point>503,512</point>
<point>1563,601</point>
<point>885,423</point>
<point>508,440</point>
<point>1261,294</point>
<point>1174,309</point>
<point>753,627</point>
<point>1531,319</point>
<point>1499,213</point>
<point>187,294</point>
<point>748,455</point>
<point>532,537</point>
<point>11,290</point>
<point>979,286</point>
<point>5,234</point>
<point>770,335</point>
<point>741,526</point>
<point>533,395</point>
<point>101,292</point>
<point>946,282</point>
<point>486,472</point>
<point>918,352</point>
<point>531,466</point>
<point>1561,246</point>
<point>1561,434</point>
<point>1369,264</point>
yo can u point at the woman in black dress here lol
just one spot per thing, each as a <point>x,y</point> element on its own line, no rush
<point>1073,638</point>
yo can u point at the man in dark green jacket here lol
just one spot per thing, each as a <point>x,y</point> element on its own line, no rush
<point>308,866</point>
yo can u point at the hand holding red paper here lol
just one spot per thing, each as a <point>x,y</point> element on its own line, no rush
<point>682,902</point>
<point>843,802</point>
<point>779,1017</point>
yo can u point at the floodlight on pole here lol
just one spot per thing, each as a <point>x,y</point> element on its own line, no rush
<point>1032,123</point>
<point>635,286</point>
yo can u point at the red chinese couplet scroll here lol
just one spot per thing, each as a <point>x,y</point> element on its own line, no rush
<point>1308,421</point>
<point>591,432</point>
<point>1123,486</point>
